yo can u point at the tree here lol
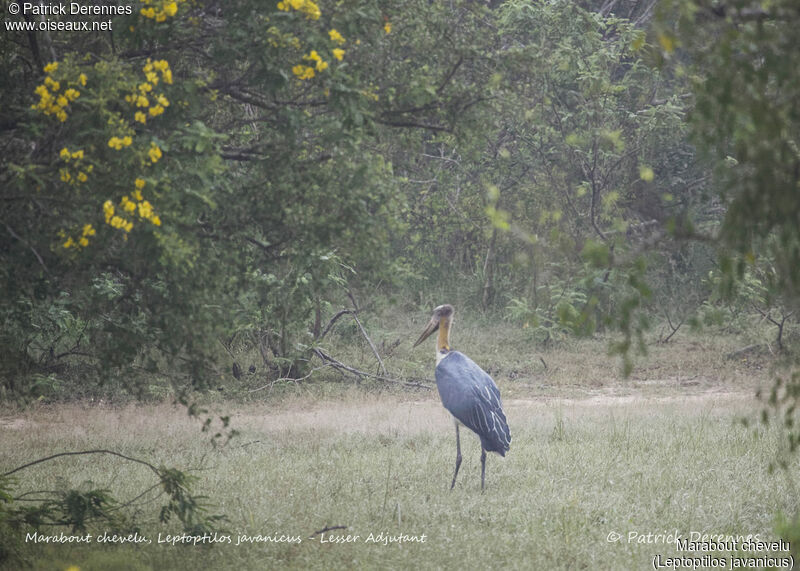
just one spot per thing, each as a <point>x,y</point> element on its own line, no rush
<point>197,164</point>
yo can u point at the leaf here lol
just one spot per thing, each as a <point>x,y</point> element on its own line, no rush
<point>667,42</point>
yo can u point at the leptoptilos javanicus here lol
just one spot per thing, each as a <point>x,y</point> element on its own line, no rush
<point>468,392</point>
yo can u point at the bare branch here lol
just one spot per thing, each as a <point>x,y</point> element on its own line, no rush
<point>371,344</point>
<point>84,452</point>
<point>297,380</point>
<point>326,529</point>
<point>339,365</point>
<point>332,321</point>
<point>32,249</point>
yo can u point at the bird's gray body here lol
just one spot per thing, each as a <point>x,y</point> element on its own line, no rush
<point>472,397</point>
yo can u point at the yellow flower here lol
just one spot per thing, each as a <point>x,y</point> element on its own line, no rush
<point>82,79</point>
<point>54,85</point>
<point>65,154</point>
<point>88,230</point>
<point>337,37</point>
<point>76,155</point>
<point>338,53</point>
<point>65,176</point>
<point>149,12</point>
<point>62,101</point>
<point>51,67</point>
<point>145,87</point>
<point>83,242</point>
<point>154,153</point>
<point>108,211</point>
<point>163,101</point>
<point>140,117</point>
<point>127,204</point>
<point>322,65</point>
<point>62,116</point>
<point>156,110</point>
<point>148,66</point>
<point>82,176</point>
<point>117,143</point>
<point>139,183</point>
<point>310,9</point>
<point>128,227</point>
<point>137,194</point>
<point>145,209</point>
<point>171,9</point>
<point>156,220</point>
<point>69,243</point>
<point>161,16</point>
<point>303,71</point>
<point>152,77</point>
<point>313,56</point>
<point>388,27</point>
<point>142,101</point>
<point>72,94</point>
<point>168,76</point>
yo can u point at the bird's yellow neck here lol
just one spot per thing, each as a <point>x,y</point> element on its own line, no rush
<point>443,342</point>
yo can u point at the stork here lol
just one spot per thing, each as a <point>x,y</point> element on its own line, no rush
<point>468,392</point>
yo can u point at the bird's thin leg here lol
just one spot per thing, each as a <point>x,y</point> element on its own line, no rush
<point>458,457</point>
<point>483,467</point>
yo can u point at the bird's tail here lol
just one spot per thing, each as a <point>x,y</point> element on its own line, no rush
<point>499,438</point>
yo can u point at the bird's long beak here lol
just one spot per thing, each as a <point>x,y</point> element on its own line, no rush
<point>433,325</point>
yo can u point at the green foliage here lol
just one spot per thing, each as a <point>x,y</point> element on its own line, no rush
<point>190,510</point>
<point>166,209</point>
<point>557,314</point>
<point>741,59</point>
<point>743,62</point>
<point>142,209</point>
<point>90,508</point>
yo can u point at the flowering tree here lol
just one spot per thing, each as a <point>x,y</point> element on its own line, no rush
<point>197,171</point>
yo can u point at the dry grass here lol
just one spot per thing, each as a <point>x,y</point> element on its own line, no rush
<point>592,454</point>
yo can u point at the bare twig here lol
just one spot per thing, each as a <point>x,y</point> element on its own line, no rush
<point>339,365</point>
<point>31,248</point>
<point>371,344</point>
<point>353,312</point>
<point>84,452</point>
<point>227,349</point>
<point>673,327</point>
<point>326,529</point>
<point>332,321</point>
<point>297,380</point>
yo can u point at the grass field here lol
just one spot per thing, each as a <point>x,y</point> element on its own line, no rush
<point>593,455</point>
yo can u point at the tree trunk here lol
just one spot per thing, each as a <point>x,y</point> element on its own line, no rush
<point>488,272</point>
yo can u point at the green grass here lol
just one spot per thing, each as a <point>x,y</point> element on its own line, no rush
<point>578,470</point>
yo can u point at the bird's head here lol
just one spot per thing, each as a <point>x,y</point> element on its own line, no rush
<point>442,315</point>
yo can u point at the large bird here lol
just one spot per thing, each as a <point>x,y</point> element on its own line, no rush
<point>468,392</point>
